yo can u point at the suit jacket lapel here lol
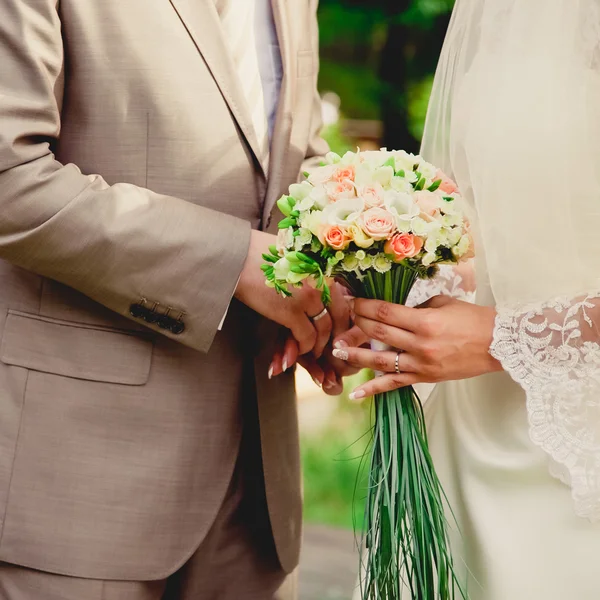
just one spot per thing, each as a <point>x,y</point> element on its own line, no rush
<point>201,20</point>
<point>283,125</point>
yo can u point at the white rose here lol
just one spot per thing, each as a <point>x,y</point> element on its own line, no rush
<point>350,158</point>
<point>312,221</point>
<point>451,220</point>
<point>420,227</point>
<point>383,175</point>
<point>402,185</point>
<point>453,236</point>
<point>403,207</point>
<point>344,212</point>
<point>427,170</point>
<point>319,197</point>
<point>321,175</point>
<point>299,191</point>
<point>462,247</point>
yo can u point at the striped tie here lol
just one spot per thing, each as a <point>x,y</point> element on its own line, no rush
<point>237,20</point>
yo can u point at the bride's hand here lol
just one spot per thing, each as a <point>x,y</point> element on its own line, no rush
<point>442,340</point>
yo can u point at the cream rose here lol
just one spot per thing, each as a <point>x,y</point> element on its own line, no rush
<point>429,203</point>
<point>338,190</point>
<point>373,195</point>
<point>448,186</point>
<point>378,223</point>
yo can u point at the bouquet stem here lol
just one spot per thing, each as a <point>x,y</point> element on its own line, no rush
<point>406,546</point>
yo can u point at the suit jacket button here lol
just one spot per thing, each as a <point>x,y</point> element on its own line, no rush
<point>150,316</point>
<point>137,311</point>
<point>164,321</point>
<point>178,327</point>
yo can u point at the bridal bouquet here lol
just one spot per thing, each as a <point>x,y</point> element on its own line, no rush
<point>377,221</point>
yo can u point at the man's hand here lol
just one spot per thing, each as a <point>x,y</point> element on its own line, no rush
<point>328,371</point>
<point>293,313</point>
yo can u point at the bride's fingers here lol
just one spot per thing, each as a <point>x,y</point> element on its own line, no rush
<point>396,315</point>
<point>385,383</point>
<point>353,337</point>
<point>378,361</point>
<point>388,334</point>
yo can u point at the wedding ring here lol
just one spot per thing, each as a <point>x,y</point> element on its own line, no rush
<point>397,362</point>
<point>319,316</point>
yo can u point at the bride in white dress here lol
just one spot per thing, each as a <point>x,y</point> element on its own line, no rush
<point>514,427</point>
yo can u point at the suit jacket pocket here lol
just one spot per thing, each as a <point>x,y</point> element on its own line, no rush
<point>75,350</point>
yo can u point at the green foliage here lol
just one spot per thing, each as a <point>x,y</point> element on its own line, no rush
<point>379,56</point>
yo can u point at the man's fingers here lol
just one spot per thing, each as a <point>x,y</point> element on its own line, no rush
<point>290,353</point>
<point>323,327</point>
<point>305,334</point>
<point>339,311</point>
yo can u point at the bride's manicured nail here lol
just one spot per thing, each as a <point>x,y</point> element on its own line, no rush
<point>317,382</point>
<point>357,395</point>
<point>284,365</point>
<point>341,354</point>
<point>271,369</point>
<point>339,345</point>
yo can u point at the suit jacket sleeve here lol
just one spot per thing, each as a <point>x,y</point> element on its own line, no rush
<point>115,243</point>
<point>317,146</point>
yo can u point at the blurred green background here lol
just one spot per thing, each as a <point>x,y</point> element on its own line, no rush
<point>378,59</point>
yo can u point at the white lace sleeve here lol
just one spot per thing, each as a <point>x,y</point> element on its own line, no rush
<point>553,352</point>
<point>450,281</point>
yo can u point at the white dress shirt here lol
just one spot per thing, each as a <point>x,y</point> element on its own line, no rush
<point>269,58</point>
<point>269,64</point>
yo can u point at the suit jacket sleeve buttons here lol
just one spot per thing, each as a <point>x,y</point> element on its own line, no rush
<point>178,327</point>
<point>137,311</point>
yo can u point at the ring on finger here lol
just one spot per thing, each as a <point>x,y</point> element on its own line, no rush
<point>397,362</point>
<point>318,317</point>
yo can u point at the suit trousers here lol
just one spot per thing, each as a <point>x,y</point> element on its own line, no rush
<point>237,560</point>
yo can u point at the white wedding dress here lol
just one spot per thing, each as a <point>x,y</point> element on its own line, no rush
<point>515,118</point>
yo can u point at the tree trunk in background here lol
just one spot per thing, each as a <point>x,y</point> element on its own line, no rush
<point>410,54</point>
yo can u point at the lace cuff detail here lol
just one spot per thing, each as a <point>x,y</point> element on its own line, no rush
<point>448,282</point>
<point>553,351</point>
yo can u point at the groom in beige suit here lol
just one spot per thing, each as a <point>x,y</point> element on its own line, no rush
<point>143,144</point>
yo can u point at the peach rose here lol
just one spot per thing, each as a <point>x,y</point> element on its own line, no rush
<point>336,190</point>
<point>335,237</point>
<point>343,174</point>
<point>428,203</point>
<point>372,195</point>
<point>377,223</point>
<point>447,186</point>
<point>403,245</point>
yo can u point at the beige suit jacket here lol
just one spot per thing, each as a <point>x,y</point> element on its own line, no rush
<point>128,179</point>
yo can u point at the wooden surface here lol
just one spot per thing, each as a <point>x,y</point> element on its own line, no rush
<point>329,564</point>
